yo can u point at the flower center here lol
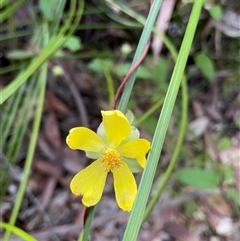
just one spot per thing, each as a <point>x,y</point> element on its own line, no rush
<point>111,159</point>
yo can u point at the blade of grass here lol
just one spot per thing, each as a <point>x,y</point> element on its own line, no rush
<point>109,81</point>
<point>87,225</point>
<point>167,174</point>
<point>17,231</point>
<point>30,154</point>
<point>3,3</point>
<point>23,118</point>
<point>183,126</point>
<point>53,13</point>
<point>8,114</point>
<point>8,12</point>
<point>42,80</point>
<point>137,213</point>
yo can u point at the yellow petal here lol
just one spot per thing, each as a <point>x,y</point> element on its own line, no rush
<point>135,149</point>
<point>90,183</point>
<point>84,139</point>
<point>117,127</point>
<point>125,187</point>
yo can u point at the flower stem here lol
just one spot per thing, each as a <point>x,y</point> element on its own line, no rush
<point>132,70</point>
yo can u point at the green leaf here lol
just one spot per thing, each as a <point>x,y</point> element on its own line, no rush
<point>17,231</point>
<point>142,72</point>
<point>48,8</point>
<point>121,69</point>
<point>228,173</point>
<point>45,7</point>
<point>233,194</point>
<point>216,12</point>
<point>18,54</point>
<point>190,207</point>
<point>73,44</point>
<point>198,178</point>
<point>224,143</point>
<point>206,65</point>
<point>160,72</point>
<point>96,66</point>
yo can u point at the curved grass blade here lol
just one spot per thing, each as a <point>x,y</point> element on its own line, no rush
<point>17,231</point>
<point>137,213</point>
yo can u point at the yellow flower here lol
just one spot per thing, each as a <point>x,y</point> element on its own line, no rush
<point>117,148</point>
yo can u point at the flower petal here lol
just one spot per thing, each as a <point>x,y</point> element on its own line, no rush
<point>84,139</point>
<point>90,183</point>
<point>135,149</point>
<point>125,187</point>
<point>117,127</point>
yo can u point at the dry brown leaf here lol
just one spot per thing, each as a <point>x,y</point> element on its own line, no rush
<point>73,160</point>
<point>47,168</point>
<point>47,193</point>
<point>51,131</point>
<point>218,214</point>
<point>53,102</point>
<point>236,169</point>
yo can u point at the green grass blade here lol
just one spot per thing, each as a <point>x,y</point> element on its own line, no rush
<point>161,129</point>
<point>23,118</point>
<point>17,231</point>
<point>3,3</point>
<point>30,154</point>
<point>167,174</point>
<point>87,226</point>
<point>109,80</point>
<point>8,113</point>
<point>8,12</point>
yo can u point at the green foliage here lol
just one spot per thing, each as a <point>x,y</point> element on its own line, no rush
<point>198,160</point>
<point>228,173</point>
<point>18,103</point>
<point>233,194</point>
<point>137,213</point>
<point>95,65</point>
<point>18,54</point>
<point>47,8</point>
<point>190,207</point>
<point>224,143</point>
<point>10,9</point>
<point>216,12</point>
<point>19,92</point>
<point>142,72</point>
<point>206,65</point>
<point>73,44</point>
<point>119,69</point>
<point>198,178</point>
<point>160,72</point>
<point>17,231</point>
